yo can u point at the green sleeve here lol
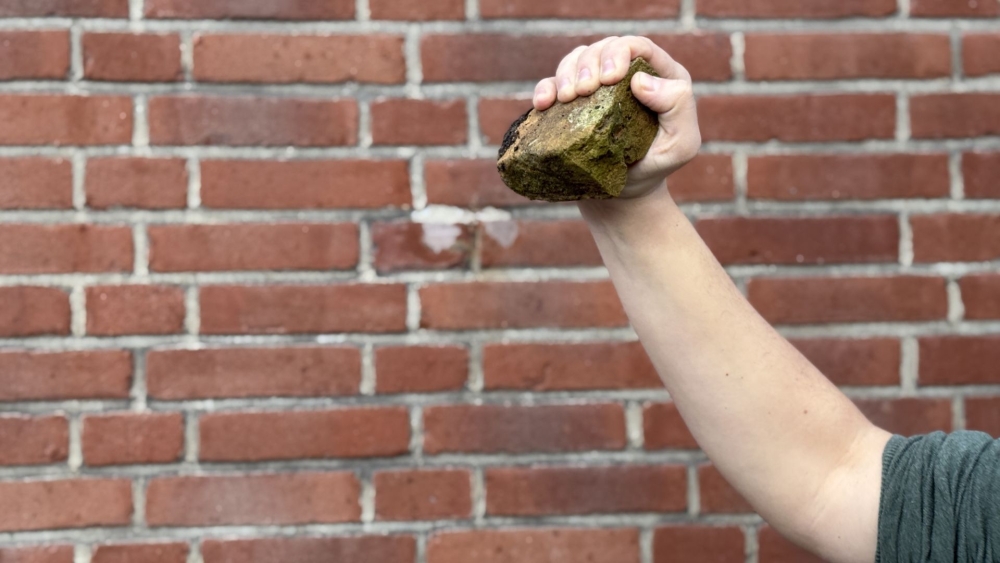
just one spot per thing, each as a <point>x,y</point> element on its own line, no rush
<point>940,499</point>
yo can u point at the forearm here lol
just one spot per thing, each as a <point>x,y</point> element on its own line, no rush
<point>776,428</point>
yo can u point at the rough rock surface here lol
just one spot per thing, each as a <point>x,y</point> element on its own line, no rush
<point>579,150</point>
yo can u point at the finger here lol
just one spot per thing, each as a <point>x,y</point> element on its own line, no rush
<point>588,74</point>
<point>618,55</point>
<point>566,75</point>
<point>545,94</point>
<point>662,95</point>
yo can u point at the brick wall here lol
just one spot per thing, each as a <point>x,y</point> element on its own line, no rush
<point>227,338</point>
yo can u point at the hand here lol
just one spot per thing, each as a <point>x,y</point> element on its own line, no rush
<point>586,69</point>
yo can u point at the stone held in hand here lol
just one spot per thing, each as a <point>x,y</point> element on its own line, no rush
<point>579,150</point>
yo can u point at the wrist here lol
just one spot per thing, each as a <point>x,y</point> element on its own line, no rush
<point>629,217</point>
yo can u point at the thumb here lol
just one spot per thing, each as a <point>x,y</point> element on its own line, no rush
<point>661,95</point>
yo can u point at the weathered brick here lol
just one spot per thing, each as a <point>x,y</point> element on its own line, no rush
<point>538,243</point>
<point>130,438</point>
<point>539,545</point>
<point>253,372</point>
<point>816,9</point>
<point>145,183</point>
<point>37,554</point>
<point>248,121</point>
<point>132,57</point>
<point>115,310</point>
<point>33,55</point>
<point>57,119</point>
<point>63,504</point>
<point>560,367</point>
<point>303,309</point>
<point>979,54</point>
<point>955,8</point>
<point>621,9</point>
<point>959,360</point>
<point>419,122</point>
<point>955,237</point>
<point>342,433</point>
<point>848,176</point>
<point>479,305</point>
<point>144,552</point>
<point>420,246</point>
<point>664,429</point>
<point>278,499</point>
<point>544,491</point>
<point>468,183</point>
<point>33,311</point>
<point>420,369</point>
<point>285,246</point>
<point>36,183</point>
<point>698,543</point>
<point>305,184</point>
<point>845,300</point>
<point>324,59</point>
<point>824,240</point>
<point>53,376</point>
<point>433,494</point>
<point>981,296</point>
<point>983,414</point>
<point>33,440</point>
<point>874,361</point>
<point>717,495</point>
<point>354,549</point>
<point>517,429</point>
<point>709,177</point>
<point>942,116</point>
<point>908,417</point>
<point>417,10</point>
<point>496,116</point>
<point>250,9</point>
<point>64,8</point>
<point>817,117</point>
<point>981,169</point>
<point>822,56</point>
<point>59,249</point>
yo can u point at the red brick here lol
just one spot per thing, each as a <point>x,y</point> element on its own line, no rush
<point>817,117</point>
<point>775,549</point>
<point>130,438</point>
<point>36,183</point>
<point>33,440</point>
<point>955,237</point>
<point>493,57</point>
<point>134,309</point>
<point>568,367</point>
<point>33,311</point>
<point>419,122</point>
<point>416,246</point>
<point>981,171</point>
<point>709,177</point>
<point>544,491</point>
<point>959,360</point>
<point>312,184</point>
<point>132,57</point>
<point>717,495</point>
<point>940,116</point>
<point>322,59</point>
<point>56,119</point>
<point>979,54</point>
<point>816,9</point>
<point>620,9</point>
<point>822,240</point>
<point>481,305</point>
<point>822,56</point>
<point>64,8</point>
<point>37,554</point>
<point>70,503</point>
<point>60,249</point>
<point>144,552</point>
<point>545,545</point>
<point>908,416</point>
<point>220,248</point>
<point>303,309</point>
<point>497,114</point>
<point>981,295</point>
<point>522,429</point>
<point>704,544</point>
<point>53,376</point>
<point>145,183</point>
<point>417,10</point>
<point>538,243</point>
<point>847,300</point>
<point>251,9</point>
<point>873,361</point>
<point>423,495</point>
<point>344,433</point>
<point>356,549</point>
<point>848,176</point>
<point>173,375</point>
<point>983,414</point>
<point>280,499</point>
<point>468,183</point>
<point>245,121</point>
<point>420,369</point>
<point>27,55</point>
<point>664,429</point>
<point>955,8</point>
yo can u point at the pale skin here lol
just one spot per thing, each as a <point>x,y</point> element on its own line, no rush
<point>792,444</point>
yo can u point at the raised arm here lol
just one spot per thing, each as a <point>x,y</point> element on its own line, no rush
<point>796,448</point>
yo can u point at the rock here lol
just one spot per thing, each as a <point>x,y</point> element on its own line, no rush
<point>579,150</point>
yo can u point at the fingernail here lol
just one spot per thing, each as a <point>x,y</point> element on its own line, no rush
<point>584,74</point>
<point>609,68</point>
<point>648,83</point>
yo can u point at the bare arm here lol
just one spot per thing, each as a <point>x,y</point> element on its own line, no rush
<point>800,452</point>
